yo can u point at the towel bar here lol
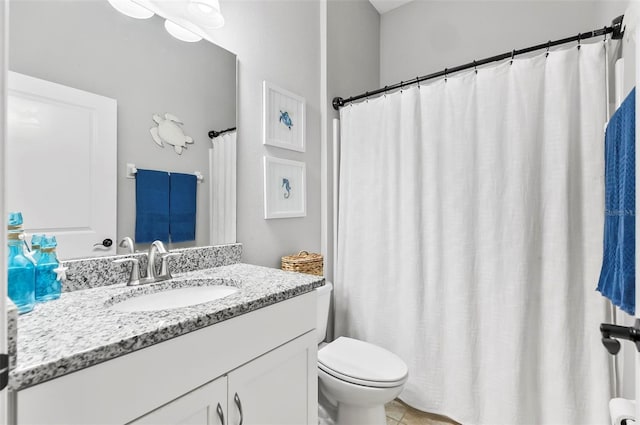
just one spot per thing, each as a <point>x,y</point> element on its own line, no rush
<point>132,170</point>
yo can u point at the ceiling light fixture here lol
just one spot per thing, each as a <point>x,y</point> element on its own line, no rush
<point>208,13</point>
<point>131,9</point>
<point>180,32</point>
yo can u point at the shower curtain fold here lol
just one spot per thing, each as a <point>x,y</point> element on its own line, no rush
<point>470,239</point>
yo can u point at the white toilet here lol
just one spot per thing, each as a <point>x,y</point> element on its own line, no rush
<point>357,376</point>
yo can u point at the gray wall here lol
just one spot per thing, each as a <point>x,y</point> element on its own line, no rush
<point>353,48</point>
<point>280,41</point>
<point>90,46</point>
<point>277,41</point>
<point>426,36</point>
<point>353,66</point>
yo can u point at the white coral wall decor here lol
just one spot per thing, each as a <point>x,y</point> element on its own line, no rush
<point>169,130</point>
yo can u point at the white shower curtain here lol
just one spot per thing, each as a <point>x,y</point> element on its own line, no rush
<point>222,189</point>
<point>470,239</point>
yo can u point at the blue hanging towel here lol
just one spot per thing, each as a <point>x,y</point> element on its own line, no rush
<point>617,278</point>
<point>152,206</point>
<point>182,209</point>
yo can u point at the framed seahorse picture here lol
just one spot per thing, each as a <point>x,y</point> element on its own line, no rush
<point>283,118</point>
<point>285,193</point>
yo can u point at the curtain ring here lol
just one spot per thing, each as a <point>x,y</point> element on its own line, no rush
<point>366,95</point>
<point>401,85</point>
<point>445,74</point>
<point>604,30</point>
<point>548,48</point>
<point>579,36</point>
<point>513,54</point>
<point>385,91</point>
<point>475,67</point>
<point>418,82</point>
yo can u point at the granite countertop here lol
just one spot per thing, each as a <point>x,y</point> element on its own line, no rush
<point>80,330</point>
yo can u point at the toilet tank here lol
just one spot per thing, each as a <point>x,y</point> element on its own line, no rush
<point>324,299</point>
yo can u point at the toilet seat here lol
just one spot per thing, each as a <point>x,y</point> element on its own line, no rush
<point>362,363</point>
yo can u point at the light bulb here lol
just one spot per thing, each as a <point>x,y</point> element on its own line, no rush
<point>204,8</point>
<point>180,32</point>
<point>131,9</point>
<point>207,12</point>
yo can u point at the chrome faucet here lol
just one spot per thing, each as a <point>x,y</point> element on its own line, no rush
<point>134,275</point>
<point>157,249</point>
<point>127,243</point>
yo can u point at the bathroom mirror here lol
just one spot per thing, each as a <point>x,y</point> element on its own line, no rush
<point>88,45</point>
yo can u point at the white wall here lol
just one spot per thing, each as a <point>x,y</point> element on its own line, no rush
<point>277,41</point>
<point>427,36</point>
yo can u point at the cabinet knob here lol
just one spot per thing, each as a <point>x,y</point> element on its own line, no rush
<point>239,404</point>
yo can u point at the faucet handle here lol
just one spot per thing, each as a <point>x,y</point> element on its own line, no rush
<point>164,266</point>
<point>134,277</point>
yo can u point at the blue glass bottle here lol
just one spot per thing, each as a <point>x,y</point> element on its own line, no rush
<point>48,286</point>
<point>35,247</point>
<point>20,268</point>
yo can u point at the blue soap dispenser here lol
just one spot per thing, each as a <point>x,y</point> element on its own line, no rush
<point>48,284</point>
<point>20,267</point>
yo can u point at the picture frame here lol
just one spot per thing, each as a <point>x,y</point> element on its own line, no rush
<point>285,193</point>
<point>283,118</point>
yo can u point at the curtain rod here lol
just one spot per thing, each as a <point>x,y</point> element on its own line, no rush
<point>615,28</point>
<point>214,133</point>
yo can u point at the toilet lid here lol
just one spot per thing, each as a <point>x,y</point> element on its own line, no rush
<point>362,363</point>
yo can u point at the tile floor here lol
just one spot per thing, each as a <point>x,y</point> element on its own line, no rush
<point>399,413</point>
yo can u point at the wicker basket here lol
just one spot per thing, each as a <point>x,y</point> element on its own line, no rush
<point>303,262</point>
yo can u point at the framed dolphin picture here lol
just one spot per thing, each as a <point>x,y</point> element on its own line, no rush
<point>283,118</point>
<point>284,188</point>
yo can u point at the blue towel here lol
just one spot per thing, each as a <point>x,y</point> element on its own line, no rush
<point>182,209</point>
<point>617,278</point>
<point>152,206</point>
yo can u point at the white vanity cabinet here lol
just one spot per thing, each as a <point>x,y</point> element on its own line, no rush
<point>267,357</point>
<point>274,388</point>
<point>202,406</point>
<point>270,390</point>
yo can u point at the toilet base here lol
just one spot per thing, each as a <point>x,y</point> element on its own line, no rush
<point>356,404</point>
<point>361,415</point>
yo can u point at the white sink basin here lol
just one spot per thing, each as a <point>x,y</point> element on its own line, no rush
<point>174,298</point>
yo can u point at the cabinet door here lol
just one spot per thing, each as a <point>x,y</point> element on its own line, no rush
<point>278,388</point>
<point>203,406</point>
